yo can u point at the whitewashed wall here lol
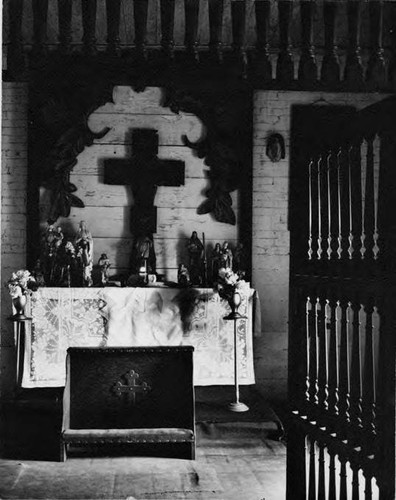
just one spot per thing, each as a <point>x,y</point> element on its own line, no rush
<point>272,113</point>
<point>13,215</point>
<point>271,243</point>
<point>107,207</point>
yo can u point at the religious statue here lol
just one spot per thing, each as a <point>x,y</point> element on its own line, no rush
<point>226,256</point>
<point>50,239</point>
<point>216,261</point>
<point>67,263</point>
<point>240,260</point>
<point>144,255</point>
<point>84,252</point>
<point>183,277</point>
<point>38,273</point>
<point>196,253</point>
<point>104,265</point>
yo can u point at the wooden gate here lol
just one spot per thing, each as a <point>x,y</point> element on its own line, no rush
<point>341,439</point>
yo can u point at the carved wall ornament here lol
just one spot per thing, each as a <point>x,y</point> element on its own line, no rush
<point>275,149</point>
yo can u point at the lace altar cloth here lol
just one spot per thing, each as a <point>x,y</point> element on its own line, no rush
<point>65,317</point>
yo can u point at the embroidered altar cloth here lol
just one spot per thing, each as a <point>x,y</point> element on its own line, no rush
<point>101,317</point>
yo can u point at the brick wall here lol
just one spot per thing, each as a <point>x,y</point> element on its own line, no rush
<point>13,214</point>
<point>270,254</point>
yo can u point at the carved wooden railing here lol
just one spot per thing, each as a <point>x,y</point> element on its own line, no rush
<point>328,43</point>
<point>343,319</point>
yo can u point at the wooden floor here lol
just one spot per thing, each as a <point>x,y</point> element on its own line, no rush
<point>237,457</point>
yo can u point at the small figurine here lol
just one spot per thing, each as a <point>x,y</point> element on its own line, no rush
<point>240,260</point>
<point>216,261</point>
<point>144,255</point>
<point>226,256</point>
<point>84,248</point>
<point>67,264</point>
<point>196,253</point>
<point>104,264</point>
<point>38,273</point>
<point>183,277</point>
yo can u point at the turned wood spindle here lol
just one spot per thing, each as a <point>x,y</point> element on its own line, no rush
<point>334,335</point>
<point>263,63</point>
<point>353,74</point>
<point>330,73</point>
<point>356,373</point>
<point>65,23</point>
<point>369,377</point>
<point>140,10</point>
<point>191,10</point>
<point>216,10</point>
<point>343,387</point>
<point>285,65</point>
<point>376,72</point>
<point>15,58</point>
<point>89,8</point>
<point>238,14</point>
<point>113,8</point>
<point>307,70</point>
<point>40,14</point>
<point>322,355</point>
<point>167,27</point>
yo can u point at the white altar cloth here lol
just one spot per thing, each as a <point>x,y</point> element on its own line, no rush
<point>66,317</point>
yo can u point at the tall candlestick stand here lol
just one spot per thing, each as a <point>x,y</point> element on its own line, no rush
<point>234,316</point>
<point>19,321</point>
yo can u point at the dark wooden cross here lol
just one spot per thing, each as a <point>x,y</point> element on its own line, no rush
<point>131,388</point>
<point>144,172</point>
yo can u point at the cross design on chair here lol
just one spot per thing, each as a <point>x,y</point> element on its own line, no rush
<point>131,388</point>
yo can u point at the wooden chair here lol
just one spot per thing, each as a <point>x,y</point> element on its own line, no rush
<point>129,395</point>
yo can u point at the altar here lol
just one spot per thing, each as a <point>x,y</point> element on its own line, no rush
<point>147,316</point>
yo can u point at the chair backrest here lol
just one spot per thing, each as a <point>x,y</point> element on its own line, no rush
<point>134,387</point>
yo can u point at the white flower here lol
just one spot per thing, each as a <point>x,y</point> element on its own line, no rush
<point>15,291</point>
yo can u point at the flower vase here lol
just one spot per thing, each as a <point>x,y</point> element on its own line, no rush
<point>234,302</point>
<point>19,304</point>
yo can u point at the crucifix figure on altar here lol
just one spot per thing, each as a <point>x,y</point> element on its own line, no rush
<point>144,172</point>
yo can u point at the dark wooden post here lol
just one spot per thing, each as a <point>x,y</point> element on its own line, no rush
<point>191,9</point>
<point>312,481</point>
<point>307,70</point>
<point>64,23</point>
<point>88,8</point>
<point>353,74</point>
<point>392,62</point>
<point>113,26</point>
<point>140,10</point>
<point>167,27</point>
<point>285,66</point>
<point>321,473</point>
<point>330,73</point>
<point>40,13</point>
<point>263,63</point>
<point>216,9</point>
<point>15,58</point>
<point>238,14</point>
<point>376,74</point>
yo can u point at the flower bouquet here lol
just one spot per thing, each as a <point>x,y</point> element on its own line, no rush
<point>21,284</point>
<point>229,286</point>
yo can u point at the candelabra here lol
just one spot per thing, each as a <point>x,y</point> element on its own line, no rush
<point>234,316</point>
